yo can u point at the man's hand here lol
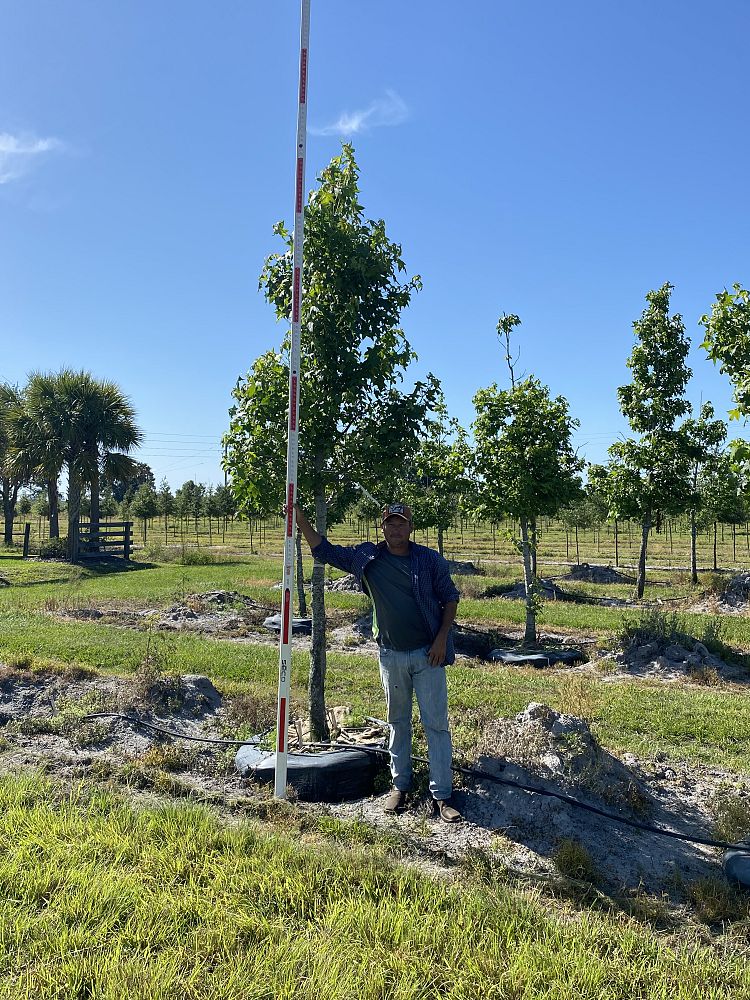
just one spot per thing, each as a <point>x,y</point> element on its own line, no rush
<point>436,652</point>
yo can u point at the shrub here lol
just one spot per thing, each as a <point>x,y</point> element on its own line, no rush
<point>197,557</point>
<point>54,548</point>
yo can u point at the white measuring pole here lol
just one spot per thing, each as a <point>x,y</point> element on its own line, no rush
<point>287,586</point>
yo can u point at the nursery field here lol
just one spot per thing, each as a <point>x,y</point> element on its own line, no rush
<point>146,867</point>
<point>466,539</point>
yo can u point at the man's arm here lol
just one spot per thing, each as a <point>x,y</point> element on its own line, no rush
<point>437,651</point>
<point>312,537</point>
<point>340,556</point>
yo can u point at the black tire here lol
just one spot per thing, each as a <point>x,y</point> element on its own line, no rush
<point>329,776</point>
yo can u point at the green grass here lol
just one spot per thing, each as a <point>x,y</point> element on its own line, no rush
<point>102,900</point>
<point>708,725</point>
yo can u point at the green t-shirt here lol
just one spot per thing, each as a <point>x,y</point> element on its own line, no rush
<point>397,621</point>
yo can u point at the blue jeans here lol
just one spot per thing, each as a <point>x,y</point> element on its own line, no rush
<point>402,674</point>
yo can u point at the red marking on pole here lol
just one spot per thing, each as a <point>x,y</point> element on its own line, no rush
<point>281,735</point>
<point>293,405</point>
<point>295,296</point>
<point>300,173</point>
<point>285,620</point>
<point>303,76</point>
<point>289,509</point>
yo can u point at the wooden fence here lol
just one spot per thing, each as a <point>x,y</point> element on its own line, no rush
<point>113,538</point>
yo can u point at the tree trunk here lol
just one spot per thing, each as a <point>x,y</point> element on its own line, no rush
<point>317,679</point>
<point>578,554</point>
<point>693,548</point>
<point>440,540</point>
<point>529,638</point>
<point>533,541</point>
<point>74,515</point>
<point>94,513</point>
<point>10,495</point>
<point>640,585</point>
<point>715,566</point>
<point>54,508</point>
<point>301,596</point>
<point>617,548</point>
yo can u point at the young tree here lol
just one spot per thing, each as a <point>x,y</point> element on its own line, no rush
<point>355,422</point>
<point>166,504</point>
<point>144,505</point>
<point>721,496</point>
<point>727,341</point>
<point>649,477</point>
<point>525,460</point>
<point>704,438</point>
<point>440,480</point>
<point>582,513</point>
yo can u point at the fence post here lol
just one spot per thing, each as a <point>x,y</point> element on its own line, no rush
<point>128,526</point>
<point>26,534</point>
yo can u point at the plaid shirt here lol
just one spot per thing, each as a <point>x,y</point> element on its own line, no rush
<point>430,578</point>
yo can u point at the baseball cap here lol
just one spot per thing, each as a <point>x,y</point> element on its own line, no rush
<point>395,510</point>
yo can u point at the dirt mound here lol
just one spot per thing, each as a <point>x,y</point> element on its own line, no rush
<point>737,592</point>
<point>467,568</point>
<point>561,748</point>
<point>586,573</point>
<point>673,658</point>
<point>223,612</point>
<point>537,832</point>
<point>548,590</point>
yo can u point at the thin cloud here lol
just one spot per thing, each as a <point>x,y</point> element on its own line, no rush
<point>380,113</point>
<point>19,153</point>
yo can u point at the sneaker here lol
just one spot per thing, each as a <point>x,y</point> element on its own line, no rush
<point>395,801</point>
<point>447,812</point>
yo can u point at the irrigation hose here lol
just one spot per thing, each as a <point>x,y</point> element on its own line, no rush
<point>172,733</point>
<point>469,772</point>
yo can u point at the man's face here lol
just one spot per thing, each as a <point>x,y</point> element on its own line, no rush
<point>396,532</point>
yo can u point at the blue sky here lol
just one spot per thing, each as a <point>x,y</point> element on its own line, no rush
<point>552,160</point>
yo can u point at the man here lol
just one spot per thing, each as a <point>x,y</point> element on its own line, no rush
<point>414,606</point>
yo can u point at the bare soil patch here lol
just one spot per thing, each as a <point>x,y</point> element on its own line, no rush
<point>41,726</point>
<point>541,748</point>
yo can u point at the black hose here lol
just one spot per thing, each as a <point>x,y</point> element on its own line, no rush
<point>469,772</point>
<point>170,732</point>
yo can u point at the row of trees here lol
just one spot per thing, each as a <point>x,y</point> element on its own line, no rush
<point>69,421</point>
<point>359,428</point>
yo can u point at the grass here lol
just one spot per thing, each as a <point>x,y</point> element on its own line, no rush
<point>102,900</point>
<point>706,725</point>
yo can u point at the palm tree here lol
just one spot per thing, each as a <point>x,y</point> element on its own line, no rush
<point>98,433</point>
<point>72,419</point>
<point>38,448</point>
<point>12,475</point>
